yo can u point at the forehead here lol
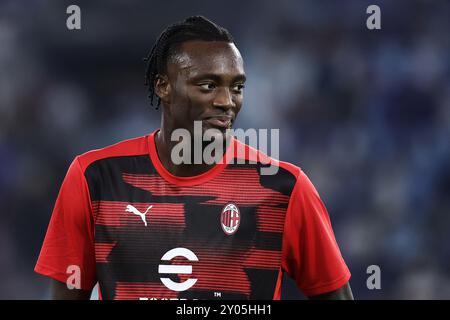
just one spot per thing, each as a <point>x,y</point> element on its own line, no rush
<point>207,57</point>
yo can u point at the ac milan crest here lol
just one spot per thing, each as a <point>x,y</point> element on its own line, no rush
<point>230,219</point>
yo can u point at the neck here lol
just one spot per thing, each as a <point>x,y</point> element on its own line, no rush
<point>164,146</point>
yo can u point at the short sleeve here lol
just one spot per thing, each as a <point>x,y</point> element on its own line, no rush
<point>69,240</point>
<point>311,255</point>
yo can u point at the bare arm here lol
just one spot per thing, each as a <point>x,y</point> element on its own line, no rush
<point>61,292</point>
<point>343,293</point>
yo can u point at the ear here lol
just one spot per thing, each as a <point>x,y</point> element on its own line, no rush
<point>163,89</point>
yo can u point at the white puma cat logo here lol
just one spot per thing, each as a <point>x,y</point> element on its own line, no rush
<point>132,209</point>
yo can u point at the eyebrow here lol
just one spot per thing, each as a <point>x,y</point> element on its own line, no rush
<point>217,78</point>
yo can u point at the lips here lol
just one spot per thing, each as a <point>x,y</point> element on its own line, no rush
<point>223,122</point>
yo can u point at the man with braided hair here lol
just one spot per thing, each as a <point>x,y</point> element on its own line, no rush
<point>146,227</point>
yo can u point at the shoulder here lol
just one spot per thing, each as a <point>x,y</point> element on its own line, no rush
<point>248,153</point>
<point>274,174</point>
<point>130,147</point>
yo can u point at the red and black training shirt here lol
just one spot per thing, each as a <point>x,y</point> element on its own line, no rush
<point>229,233</point>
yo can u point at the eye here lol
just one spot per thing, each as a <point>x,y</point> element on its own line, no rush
<point>208,86</point>
<point>238,88</point>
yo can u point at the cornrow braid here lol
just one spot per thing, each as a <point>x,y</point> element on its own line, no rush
<point>192,28</point>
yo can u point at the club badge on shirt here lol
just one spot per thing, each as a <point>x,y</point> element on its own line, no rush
<point>230,219</point>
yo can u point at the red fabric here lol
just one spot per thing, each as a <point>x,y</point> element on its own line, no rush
<point>192,180</point>
<point>311,255</point>
<point>70,235</point>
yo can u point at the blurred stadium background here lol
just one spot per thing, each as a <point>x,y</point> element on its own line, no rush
<point>365,113</point>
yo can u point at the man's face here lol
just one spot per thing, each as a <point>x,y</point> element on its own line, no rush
<point>206,84</point>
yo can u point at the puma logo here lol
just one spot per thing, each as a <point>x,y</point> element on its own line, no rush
<point>132,209</point>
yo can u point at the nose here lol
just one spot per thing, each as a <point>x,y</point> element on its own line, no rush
<point>223,99</point>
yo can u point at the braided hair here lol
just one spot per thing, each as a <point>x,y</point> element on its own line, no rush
<point>169,41</point>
